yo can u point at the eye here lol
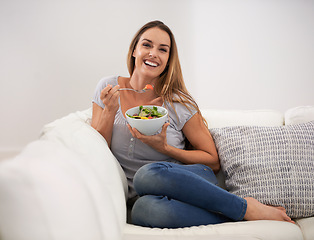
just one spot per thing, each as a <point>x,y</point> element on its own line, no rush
<point>163,50</point>
<point>146,44</point>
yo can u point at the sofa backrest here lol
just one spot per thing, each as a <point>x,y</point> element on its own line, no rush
<point>227,118</point>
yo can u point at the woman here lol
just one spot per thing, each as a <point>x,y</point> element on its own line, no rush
<point>177,185</point>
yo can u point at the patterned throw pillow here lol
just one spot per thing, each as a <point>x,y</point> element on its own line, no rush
<point>275,165</point>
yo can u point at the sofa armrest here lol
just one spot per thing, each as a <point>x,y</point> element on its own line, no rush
<point>66,185</point>
<point>75,132</point>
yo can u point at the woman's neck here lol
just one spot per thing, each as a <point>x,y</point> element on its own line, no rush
<point>139,82</point>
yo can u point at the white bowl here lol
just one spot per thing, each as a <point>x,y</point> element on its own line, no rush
<point>147,126</point>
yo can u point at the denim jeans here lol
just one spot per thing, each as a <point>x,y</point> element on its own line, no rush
<point>173,196</point>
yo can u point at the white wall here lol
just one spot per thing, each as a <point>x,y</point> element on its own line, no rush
<point>254,53</point>
<point>234,54</point>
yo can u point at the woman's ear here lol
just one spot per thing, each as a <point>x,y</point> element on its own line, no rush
<point>133,54</point>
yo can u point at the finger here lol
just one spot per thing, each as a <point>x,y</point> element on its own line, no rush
<point>105,91</point>
<point>115,93</point>
<point>165,126</point>
<point>137,133</point>
<point>131,130</point>
<point>115,89</point>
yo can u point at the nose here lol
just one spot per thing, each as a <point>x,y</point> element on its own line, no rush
<point>152,53</point>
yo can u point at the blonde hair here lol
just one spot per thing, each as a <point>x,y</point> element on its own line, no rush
<point>171,86</point>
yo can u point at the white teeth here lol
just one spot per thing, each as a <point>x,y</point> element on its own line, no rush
<point>151,63</point>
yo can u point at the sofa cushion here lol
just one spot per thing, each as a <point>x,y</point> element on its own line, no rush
<point>275,165</point>
<point>218,118</point>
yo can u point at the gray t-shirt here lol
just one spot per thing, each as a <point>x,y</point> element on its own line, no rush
<point>131,152</point>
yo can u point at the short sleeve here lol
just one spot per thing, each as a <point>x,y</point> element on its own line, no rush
<point>180,114</point>
<point>113,80</point>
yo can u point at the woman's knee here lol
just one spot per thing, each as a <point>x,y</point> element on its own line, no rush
<point>140,214</point>
<point>152,211</point>
<point>149,176</point>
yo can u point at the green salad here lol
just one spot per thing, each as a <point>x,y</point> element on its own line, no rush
<point>147,113</point>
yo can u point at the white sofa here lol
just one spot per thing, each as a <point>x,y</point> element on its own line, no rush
<point>67,185</point>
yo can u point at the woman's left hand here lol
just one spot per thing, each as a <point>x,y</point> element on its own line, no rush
<point>158,141</point>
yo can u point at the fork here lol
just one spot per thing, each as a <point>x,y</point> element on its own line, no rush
<point>147,87</point>
<point>131,89</point>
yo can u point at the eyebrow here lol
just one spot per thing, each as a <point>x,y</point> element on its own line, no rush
<point>164,45</point>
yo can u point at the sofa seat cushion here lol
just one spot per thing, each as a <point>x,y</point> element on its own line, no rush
<point>306,226</point>
<point>246,230</point>
<point>275,165</point>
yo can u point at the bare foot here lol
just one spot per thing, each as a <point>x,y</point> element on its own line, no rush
<point>258,211</point>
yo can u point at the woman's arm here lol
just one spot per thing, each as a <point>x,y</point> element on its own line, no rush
<point>196,132</point>
<point>204,149</point>
<point>103,119</point>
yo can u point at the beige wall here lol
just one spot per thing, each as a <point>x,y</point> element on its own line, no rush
<point>234,54</point>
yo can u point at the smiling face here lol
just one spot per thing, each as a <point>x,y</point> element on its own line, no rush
<point>152,53</point>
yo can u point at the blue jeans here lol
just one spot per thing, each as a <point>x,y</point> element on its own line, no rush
<point>174,196</point>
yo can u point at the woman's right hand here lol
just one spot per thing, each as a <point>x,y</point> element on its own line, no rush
<point>103,119</point>
<point>110,97</point>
